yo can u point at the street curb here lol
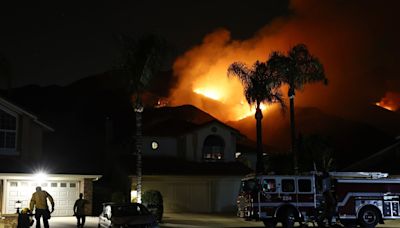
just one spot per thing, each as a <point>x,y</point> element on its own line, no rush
<point>179,225</point>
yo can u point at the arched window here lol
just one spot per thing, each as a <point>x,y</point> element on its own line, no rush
<point>213,148</point>
<point>8,133</point>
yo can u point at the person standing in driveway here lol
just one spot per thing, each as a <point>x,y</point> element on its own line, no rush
<point>39,203</point>
<point>79,210</point>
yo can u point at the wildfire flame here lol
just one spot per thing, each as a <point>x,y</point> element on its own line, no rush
<point>382,105</point>
<point>210,93</point>
<point>242,109</point>
<point>252,111</point>
<point>391,101</point>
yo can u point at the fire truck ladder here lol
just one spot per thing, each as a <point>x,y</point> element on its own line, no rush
<point>361,175</point>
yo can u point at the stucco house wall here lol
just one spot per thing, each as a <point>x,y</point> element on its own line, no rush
<point>29,132</point>
<point>167,146</point>
<point>219,130</point>
<point>31,139</point>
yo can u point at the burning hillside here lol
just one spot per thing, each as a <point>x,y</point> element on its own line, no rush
<point>391,101</point>
<point>342,34</point>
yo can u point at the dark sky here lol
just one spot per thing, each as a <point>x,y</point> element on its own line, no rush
<point>58,42</point>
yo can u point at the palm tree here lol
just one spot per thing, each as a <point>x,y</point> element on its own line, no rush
<point>260,86</point>
<point>296,69</point>
<point>141,60</point>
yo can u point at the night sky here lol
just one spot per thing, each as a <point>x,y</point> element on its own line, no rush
<point>58,42</point>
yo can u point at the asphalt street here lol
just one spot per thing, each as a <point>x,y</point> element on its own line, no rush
<point>185,220</point>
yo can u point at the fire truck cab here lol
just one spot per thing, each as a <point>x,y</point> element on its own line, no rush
<point>346,198</point>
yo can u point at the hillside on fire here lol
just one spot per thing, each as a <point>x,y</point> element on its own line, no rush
<point>79,112</point>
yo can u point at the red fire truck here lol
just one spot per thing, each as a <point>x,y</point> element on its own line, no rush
<point>337,198</point>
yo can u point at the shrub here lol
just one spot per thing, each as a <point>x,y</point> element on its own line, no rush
<point>153,200</point>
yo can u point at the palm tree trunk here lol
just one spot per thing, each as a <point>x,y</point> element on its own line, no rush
<point>138,112</point>
<point>259,116</point>
<point>293,131</point>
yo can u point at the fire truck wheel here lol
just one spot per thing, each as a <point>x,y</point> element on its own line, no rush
<point>269,223</point>
<point>368,217</point>
<point>288,219</point>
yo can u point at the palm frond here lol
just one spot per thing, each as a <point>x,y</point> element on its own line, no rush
<point>239,70</point>
<point>259,82</point>
<point>140,59</point>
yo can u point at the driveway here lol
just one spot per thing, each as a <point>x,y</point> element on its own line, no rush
<point>70,222</point>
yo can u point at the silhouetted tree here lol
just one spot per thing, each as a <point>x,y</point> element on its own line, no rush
<point>296,69</point>
<point>316,153</point>
<point>141,60</point>
<point>260,86</point>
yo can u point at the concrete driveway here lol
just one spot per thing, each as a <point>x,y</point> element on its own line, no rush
<point>70,222</point>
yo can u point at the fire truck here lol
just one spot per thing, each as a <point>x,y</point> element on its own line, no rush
<point>346,199</point>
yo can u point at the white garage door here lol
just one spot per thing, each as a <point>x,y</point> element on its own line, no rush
<point>64,194</point>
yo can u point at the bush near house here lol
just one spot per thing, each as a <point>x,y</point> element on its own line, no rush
<point>153,200</point>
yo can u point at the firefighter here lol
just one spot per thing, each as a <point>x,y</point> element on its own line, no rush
<point>330,205</point>
<point>25,219</point>
<point>79,210</point>
<point>39,203</point>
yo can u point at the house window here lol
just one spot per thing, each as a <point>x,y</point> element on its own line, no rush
<point>213,148</point>
<point>63,185</point>
<point>72,185</point>
<point>8,133</point>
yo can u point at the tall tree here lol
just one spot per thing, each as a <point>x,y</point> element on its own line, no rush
<point>296,69</point>
<point>260,86</point>
<point>141,60</point>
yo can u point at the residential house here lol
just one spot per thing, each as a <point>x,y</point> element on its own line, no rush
<point>21,160</point>
<point>190,160</point>
<point>385,160</point>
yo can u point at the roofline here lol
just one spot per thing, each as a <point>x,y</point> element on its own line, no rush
<point>219,122</point>
<point>24,176</point>
<point>215,121</point>
<point>21,110</point>
<point>354,165</point>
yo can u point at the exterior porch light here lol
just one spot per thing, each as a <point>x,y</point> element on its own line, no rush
<point>40,176</point>
<point>18,205</point>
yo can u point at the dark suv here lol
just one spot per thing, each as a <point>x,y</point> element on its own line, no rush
<point>126,215</point>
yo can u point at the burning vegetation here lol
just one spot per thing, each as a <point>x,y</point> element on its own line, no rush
<point>391,101</point>
<point>342,34</point>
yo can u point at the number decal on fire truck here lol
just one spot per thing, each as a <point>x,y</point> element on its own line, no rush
<point>286,198</point>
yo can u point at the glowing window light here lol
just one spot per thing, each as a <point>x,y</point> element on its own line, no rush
<point>134,195</point>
